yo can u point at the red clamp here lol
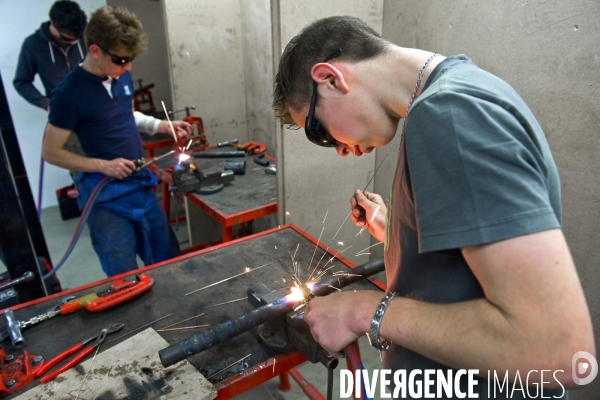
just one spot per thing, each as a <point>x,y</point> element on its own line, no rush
<point>120,291</point>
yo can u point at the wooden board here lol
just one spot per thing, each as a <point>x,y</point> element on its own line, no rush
<point>129,370</point>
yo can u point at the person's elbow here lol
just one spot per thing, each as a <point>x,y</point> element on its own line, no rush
<point>50,153</point>
<point>567,345</point>
<point>576,356</point>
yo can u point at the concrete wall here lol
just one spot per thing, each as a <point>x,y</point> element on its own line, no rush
<point>258,71</point>
<point>317,183</point>
<point>207,64</point>
<point>19,19</point>
<point>153,65</point>
<point>548,51</point>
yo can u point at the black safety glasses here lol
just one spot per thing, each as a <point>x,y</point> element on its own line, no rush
<point>314,131</point>
<point>67,39</point>
<point>118,60</point>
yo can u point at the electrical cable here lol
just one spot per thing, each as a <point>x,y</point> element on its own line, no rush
<point>40,186</point>
<point>364,388</point>
<point>82,220</point>
<point>354,364</point>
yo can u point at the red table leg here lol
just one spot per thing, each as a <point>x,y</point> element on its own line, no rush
<point>227,233</point>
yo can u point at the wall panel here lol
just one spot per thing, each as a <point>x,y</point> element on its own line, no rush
<point>319,184</point>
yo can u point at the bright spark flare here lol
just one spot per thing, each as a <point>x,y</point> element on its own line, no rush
<point>183,157</point>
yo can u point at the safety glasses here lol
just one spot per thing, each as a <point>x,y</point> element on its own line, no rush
<point>118,60</point>
<point>314,131</point>
<point>67,39</point>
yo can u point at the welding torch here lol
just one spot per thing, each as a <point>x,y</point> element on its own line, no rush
<point>142,163</point>
<point>235,327</point>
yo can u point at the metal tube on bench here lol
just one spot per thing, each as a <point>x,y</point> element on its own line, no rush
<point>219,154</point>
<point>226,330</point>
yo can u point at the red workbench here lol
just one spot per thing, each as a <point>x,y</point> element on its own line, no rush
<point>270,250</point>
<point>250,196</point>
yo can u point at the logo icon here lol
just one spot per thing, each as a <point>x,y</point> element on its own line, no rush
<point>581,367</point>
<point>127,90</point>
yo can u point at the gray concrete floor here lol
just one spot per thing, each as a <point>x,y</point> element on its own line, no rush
<point>83,267</point>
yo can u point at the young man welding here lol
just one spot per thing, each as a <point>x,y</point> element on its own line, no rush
<point>479,274</point>
<point>95,101</point>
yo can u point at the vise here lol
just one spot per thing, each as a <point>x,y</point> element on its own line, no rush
<point>187,177</point>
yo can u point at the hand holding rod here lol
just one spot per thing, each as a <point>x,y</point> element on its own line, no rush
<point>226,330</point>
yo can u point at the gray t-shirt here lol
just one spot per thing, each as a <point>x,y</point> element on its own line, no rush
<point>474,167</point>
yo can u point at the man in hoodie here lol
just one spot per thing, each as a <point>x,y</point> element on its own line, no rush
<point>52,52</point>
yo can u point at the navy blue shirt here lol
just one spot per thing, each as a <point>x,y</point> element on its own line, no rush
<point>105,126</point>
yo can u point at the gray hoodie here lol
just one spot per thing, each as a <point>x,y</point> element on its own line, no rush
<point>41,54</point>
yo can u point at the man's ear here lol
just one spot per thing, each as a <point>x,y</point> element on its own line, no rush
<point>329,74</point>
<point>95,51</point>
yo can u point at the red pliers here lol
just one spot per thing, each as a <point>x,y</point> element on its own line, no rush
<point>87,350</point>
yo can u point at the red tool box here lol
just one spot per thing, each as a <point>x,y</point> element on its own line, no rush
<point>67,202</point>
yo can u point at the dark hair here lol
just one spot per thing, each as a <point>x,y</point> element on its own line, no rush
<point>316,42</point>
<point>115,29</point>
<point>68,17</point>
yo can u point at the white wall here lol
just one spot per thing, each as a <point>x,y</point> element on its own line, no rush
<point>153,65</point>
<point>19,19</point>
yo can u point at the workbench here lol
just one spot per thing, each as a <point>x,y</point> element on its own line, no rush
<point>268,256</point>
<point>248,197</point>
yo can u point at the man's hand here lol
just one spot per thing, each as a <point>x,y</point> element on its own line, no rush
<point>340,318</point>
<point>182,128</point>
<point>368,210</point>
<point>118,168</point>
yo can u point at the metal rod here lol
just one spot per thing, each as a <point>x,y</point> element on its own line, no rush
<point>137,329</point>
<point>235,327</point>
<point>229,366</point>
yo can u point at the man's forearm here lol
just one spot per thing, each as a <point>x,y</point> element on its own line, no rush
<point>29,92</point>
<point>478,335</point>
<point>75,162</point>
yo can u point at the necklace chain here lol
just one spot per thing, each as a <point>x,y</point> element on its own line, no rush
<point>417,88</point>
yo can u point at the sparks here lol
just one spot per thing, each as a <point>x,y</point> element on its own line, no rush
<point>247,269</point>
<point>373,245</point>
<point>183,157</point>
<point>296,295</point>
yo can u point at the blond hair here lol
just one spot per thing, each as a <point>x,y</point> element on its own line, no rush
<point>115,29</point>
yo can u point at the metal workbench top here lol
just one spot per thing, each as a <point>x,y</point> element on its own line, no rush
<point>252,190</point>
<point>271,251</point>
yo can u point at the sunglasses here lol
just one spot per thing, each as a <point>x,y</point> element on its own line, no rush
<point>118,60</point>
<point>314,131</point>
<point>67,39</point>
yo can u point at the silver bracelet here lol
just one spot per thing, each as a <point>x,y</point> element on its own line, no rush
<point>374,338</point>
